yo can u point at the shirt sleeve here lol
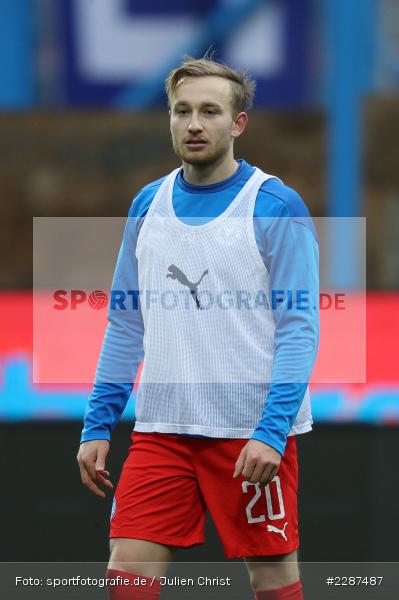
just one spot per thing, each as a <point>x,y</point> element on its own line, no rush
<point>288,245</point>
<point>122,350</point>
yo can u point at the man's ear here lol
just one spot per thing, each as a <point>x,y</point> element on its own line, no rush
<point>240,123</point>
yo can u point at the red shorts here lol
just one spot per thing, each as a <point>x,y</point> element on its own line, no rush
<point>169,481</point>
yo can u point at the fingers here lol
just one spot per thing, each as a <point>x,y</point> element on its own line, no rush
<point>249,469</point>
<point>239,463</point>
<point>90,484</point>
<point>102,477</point>
<point>267,476</point>
<point>257,473</point>
<point>102,452</point>
<point>89,465</point>
<point>262,475</point>
<point>257,464</point>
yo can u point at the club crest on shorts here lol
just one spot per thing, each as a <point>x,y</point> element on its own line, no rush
<point>113,509</point>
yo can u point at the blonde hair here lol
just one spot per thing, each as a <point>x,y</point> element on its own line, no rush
<point>242,86</point>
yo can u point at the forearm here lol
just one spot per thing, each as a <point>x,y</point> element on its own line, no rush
<point>120,359</point>
<point>121,353</point>
<point>281,408</point>
<point>106,403</point>
<point>291,256</point>
<point>296,343</point>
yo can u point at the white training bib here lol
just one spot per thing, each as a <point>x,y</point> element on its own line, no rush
<point>208,325</point>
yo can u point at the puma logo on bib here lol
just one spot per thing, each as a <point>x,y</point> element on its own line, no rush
<point>176,273</point>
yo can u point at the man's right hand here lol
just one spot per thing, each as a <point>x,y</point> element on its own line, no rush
<point>91,459</point>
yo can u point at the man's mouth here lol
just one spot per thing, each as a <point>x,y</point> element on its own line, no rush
<point>195,143</point>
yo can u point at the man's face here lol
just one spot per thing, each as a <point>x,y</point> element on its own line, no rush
<point>201,120</point>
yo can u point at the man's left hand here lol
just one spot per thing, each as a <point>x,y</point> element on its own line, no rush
<point>258,463</point>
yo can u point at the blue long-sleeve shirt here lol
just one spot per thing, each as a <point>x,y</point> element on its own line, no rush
<point>287,242</point>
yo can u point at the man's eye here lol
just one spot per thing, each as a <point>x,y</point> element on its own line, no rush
<point>181,111</point>
<point>211,112</point>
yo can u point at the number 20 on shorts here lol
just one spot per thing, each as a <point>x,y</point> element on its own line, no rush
<point>272,516</point>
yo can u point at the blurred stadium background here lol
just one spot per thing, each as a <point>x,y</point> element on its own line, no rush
<point>83,126</point>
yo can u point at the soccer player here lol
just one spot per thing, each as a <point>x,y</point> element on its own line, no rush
<point>216,287</point>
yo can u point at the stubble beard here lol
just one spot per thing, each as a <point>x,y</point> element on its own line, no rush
<point>209,157</point>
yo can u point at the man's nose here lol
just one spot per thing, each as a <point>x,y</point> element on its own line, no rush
<point>195,124</point>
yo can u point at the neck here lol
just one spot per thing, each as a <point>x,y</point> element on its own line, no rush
<point>208,174</point>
